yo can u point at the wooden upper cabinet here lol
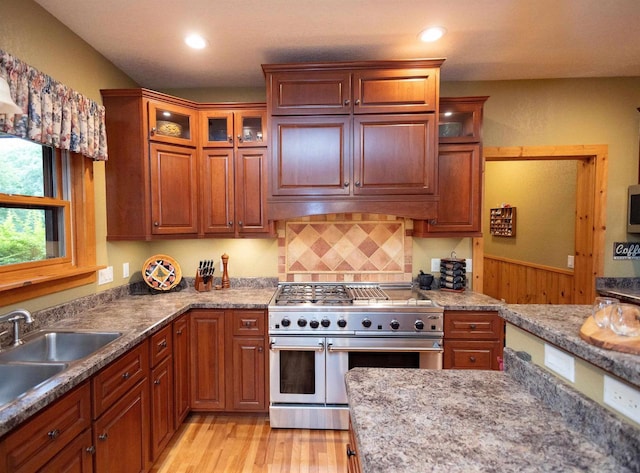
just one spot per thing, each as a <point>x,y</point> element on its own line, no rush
<point>251,192</point>
<point>172,124</point>
<point>174,190</point>
<point>240,128</point>
<point>310,93</point>
<point>394,154</point>
<point>396,90</point>
<point>460,119</point>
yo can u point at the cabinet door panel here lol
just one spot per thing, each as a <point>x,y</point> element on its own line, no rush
<point>173,190</point>
<point>310,156</point>
<point>459,183</point>
<point>172,124</point>
<point>394,154</point>
<point>304,93</point>
<point>207,360</point>
<point>251,128</point>
<point>251,194</point>
<point>162,407</point>
<point>75,458</point>
<point>181,369</point>
<point>396,90</point>
<point>217,176</point>
<point>248,358</point>
<point>217,129</point>
<point>471,355</point>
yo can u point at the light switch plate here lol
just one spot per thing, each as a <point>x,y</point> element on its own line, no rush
<point>105,275</point>
<point>125,270</point>
<point>570,261</point>
<point>560,362</point>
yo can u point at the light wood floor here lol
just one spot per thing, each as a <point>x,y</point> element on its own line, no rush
<point>227,444</point>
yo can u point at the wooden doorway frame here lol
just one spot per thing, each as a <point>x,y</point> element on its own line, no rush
<point>591,199</point>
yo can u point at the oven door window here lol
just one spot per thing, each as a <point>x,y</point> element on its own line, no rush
<point>297,372</point>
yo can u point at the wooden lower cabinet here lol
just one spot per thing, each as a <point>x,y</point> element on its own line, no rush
<point>353,460</point>
<point>162,408</point>
<point>473,340</point>
<point>77,457</point>
<point>181,372</point>
<point>56,435</point>
<point>228,360</point>
<point>121,434</point>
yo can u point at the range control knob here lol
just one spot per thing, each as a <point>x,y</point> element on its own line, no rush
<point>285,322</point>
<point>314,324</point>
<point>366,323</point>
<point>342,323</point>
<point>419,325</point>
<point>302,322</point>
<point>325,322</point>
<point>395,325</point>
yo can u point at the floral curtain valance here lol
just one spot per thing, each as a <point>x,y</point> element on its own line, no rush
<point>55,115</point>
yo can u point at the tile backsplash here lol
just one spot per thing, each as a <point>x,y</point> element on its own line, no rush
<point>345,247</point>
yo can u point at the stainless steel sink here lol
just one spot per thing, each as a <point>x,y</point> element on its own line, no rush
<point>17,379</point>
<point>58,346</point>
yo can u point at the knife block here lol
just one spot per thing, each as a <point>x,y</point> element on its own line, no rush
<point>200,285</point>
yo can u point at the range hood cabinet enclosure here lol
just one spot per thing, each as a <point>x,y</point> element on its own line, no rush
<point>353,137</point>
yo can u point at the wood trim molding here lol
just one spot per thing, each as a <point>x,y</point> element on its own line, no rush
<point>591,198</point>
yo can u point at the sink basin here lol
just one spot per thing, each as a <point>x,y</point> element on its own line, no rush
<point>53,346</point>
<point>18,379</point>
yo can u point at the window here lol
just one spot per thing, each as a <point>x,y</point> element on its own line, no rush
<point>47,234</point>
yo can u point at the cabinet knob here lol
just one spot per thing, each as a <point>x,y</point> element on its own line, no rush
<point>230,138</point>
<point>357,102</point>
<point>260,349</point>
<point>156,382</point>
<point>91,450</point>
<point>53,434</point>
<point>126,375</point>
<point>357,183</point>
<point>347,102</point>
<point>472,326</point>
<point>152,131</point>
<point>346,183</point>
<point>179,332</point>
<point>472,359</point>
<point>156,224</point>
<point>350,453</point>
<point>163,343</point>
<point>433,222</point>
<point>239,139</point>
<point>230,223</point>
<point>103,437</point>
<point>240,223</point>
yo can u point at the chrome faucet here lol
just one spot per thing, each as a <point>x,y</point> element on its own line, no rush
<point>15,316</point>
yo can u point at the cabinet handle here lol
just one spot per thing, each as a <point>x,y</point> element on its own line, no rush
<point>126,375</point>
<point>346,183</point>
<point>472,326</point>
<point>350,453</point>
<point>347,102</point>
<point>103,437</point>
<point>156,382</point>
<point>91,450</point>
<point>53,434</point>
<point>472,359</point>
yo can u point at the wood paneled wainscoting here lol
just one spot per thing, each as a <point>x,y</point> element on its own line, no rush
<point>519,282</point>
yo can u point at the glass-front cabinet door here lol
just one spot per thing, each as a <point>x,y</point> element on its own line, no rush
<point>241,128</point>
<point>172,124</point>
<point>460,119</point>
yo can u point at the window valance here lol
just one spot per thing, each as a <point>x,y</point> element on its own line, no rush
<point>55,115</point>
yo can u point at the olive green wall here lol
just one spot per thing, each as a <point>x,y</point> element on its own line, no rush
<point>543,112</point>
<point>545,210</point>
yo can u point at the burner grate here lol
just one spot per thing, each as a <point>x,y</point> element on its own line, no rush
<point>367,293</point>
<point>315,293</point>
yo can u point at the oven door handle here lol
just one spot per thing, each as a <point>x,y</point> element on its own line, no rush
<point>274,347</point>
<point>371,349</point>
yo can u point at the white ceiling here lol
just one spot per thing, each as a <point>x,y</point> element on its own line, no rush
<point>486,39</point>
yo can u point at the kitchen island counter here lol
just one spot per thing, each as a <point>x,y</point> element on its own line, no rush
<point>465,421</point>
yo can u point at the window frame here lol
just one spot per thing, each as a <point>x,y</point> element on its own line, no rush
<point>77,267</point>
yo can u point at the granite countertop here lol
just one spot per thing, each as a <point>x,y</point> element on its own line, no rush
<point>560,325</point>
<point>136,317</point>
<point>461,421</point>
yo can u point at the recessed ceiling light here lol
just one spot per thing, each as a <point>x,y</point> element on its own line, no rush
<point>433,33</point>
<point>195,41</point>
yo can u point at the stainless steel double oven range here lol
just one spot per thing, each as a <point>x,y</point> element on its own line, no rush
<point>318,331</point>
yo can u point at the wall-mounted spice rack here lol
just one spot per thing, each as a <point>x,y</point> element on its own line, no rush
<point>503,222</point>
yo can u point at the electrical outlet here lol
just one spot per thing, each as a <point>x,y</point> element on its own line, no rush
<point>469,265</point>
<point>125,270</point>
<point>570,261</point>
<point>558,361</point>
<point>622,398</point>
<point>105,275</point>
<point>435,265</point>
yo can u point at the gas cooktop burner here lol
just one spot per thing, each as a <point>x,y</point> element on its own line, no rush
<point>314,293</point>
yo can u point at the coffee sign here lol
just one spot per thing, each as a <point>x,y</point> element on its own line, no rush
<point>626,250</point>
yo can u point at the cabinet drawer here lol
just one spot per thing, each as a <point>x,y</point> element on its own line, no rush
<point>47,433</point>
<point>248,322</point>
<point>473,325</point>
<point>120,376</point>
<point>161,345</point>
<point>471,355</point>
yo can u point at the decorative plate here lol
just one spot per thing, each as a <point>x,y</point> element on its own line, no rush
<point>161,272</point>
